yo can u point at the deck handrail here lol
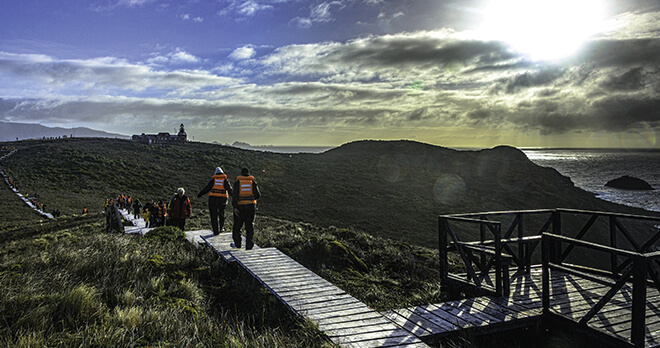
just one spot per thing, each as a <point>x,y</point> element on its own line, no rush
<point>637,270</point>
<point>517,234</point>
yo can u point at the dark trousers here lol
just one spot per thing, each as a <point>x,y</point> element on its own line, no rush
<point>180,223</point>
<point>245,215</point>
<point>217,210</point>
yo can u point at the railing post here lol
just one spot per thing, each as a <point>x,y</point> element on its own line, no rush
<point>521,245</point>
<point>637,334</point>
<point>545,273</point>
<point>482,235</point>
<point>498,260</point>
<point>442,247</point>
<point>613,243</point>
<point>555,251</point>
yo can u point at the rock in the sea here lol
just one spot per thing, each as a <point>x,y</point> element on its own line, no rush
<point>629,183</point>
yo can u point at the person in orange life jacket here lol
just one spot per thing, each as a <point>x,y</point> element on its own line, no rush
<point>179,209</point>
<point>219,190</point>
<point>244,201</point>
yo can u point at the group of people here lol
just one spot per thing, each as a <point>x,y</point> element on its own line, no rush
<point>159,214</point>
<point>244,194</point>
<point>34,199</point>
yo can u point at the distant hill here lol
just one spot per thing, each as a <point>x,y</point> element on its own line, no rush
<point>9,131</point>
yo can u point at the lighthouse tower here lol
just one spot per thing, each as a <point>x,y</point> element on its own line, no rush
<point>183,137</point>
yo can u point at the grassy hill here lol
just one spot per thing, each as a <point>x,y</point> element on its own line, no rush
<point>392,189</point>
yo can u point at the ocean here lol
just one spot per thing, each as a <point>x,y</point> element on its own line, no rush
<point>589,169</point>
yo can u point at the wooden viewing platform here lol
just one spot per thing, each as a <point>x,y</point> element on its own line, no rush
<point>571,296</point>
<point>610,289</point>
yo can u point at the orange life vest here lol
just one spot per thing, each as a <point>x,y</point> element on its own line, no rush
<point>245,195</point>
<point>218,189</point>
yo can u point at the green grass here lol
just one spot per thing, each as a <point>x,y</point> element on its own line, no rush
<point>71,284</point>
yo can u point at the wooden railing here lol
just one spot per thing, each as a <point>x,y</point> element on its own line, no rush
<point>496,251</point>
<point>638,266</point>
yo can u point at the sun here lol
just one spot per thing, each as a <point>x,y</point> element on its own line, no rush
<point>542,29</point>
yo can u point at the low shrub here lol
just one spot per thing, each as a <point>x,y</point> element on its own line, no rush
<point>166,234</point>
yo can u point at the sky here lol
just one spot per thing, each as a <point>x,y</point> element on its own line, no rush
<point>456,73</point>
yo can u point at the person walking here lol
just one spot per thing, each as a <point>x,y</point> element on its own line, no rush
<point>219,190</point>
<point>244,201</point>
<point>179,209</point>
<point>136,208</point>
<point>159,214</point>
<point>147,212</point>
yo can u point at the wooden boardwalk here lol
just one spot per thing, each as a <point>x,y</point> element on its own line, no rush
<point>345,320</point>
<point>350,323</point>
<point>571,296</point>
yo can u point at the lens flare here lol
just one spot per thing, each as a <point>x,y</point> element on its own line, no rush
<point>448,189</point>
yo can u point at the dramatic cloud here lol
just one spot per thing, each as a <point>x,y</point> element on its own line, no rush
<point>109,75</point>
<point>419,84</point>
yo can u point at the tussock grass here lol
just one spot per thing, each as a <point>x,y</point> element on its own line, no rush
<point>380,272</point>
<point>74,285</point>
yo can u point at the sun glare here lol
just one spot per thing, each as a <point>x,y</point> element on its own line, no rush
<point>542,29</point>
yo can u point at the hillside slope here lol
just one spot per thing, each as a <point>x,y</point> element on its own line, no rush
<point>392,189</point>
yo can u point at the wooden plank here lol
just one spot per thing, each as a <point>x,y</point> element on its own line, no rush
<point>274,263</point>
<point>376,339</point>
<point>346,316</point>
<point>410,323</point>
<point>347,302</point>
<point>257,260</point>
<point>312,297</point>
<point>379,323</point>
<point>508,306</point>
<point>331,307</point>
<point>283,274</point>
<point>288,277</point>
<point>283,287</point>
<point>299,283</point>
<point>309,291</point>
<point>618,303</point>
<point>468,314</point>
<point>493,311</point>
<point>424,316</point>
<point>305,302</point>
<point>620,319</point>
